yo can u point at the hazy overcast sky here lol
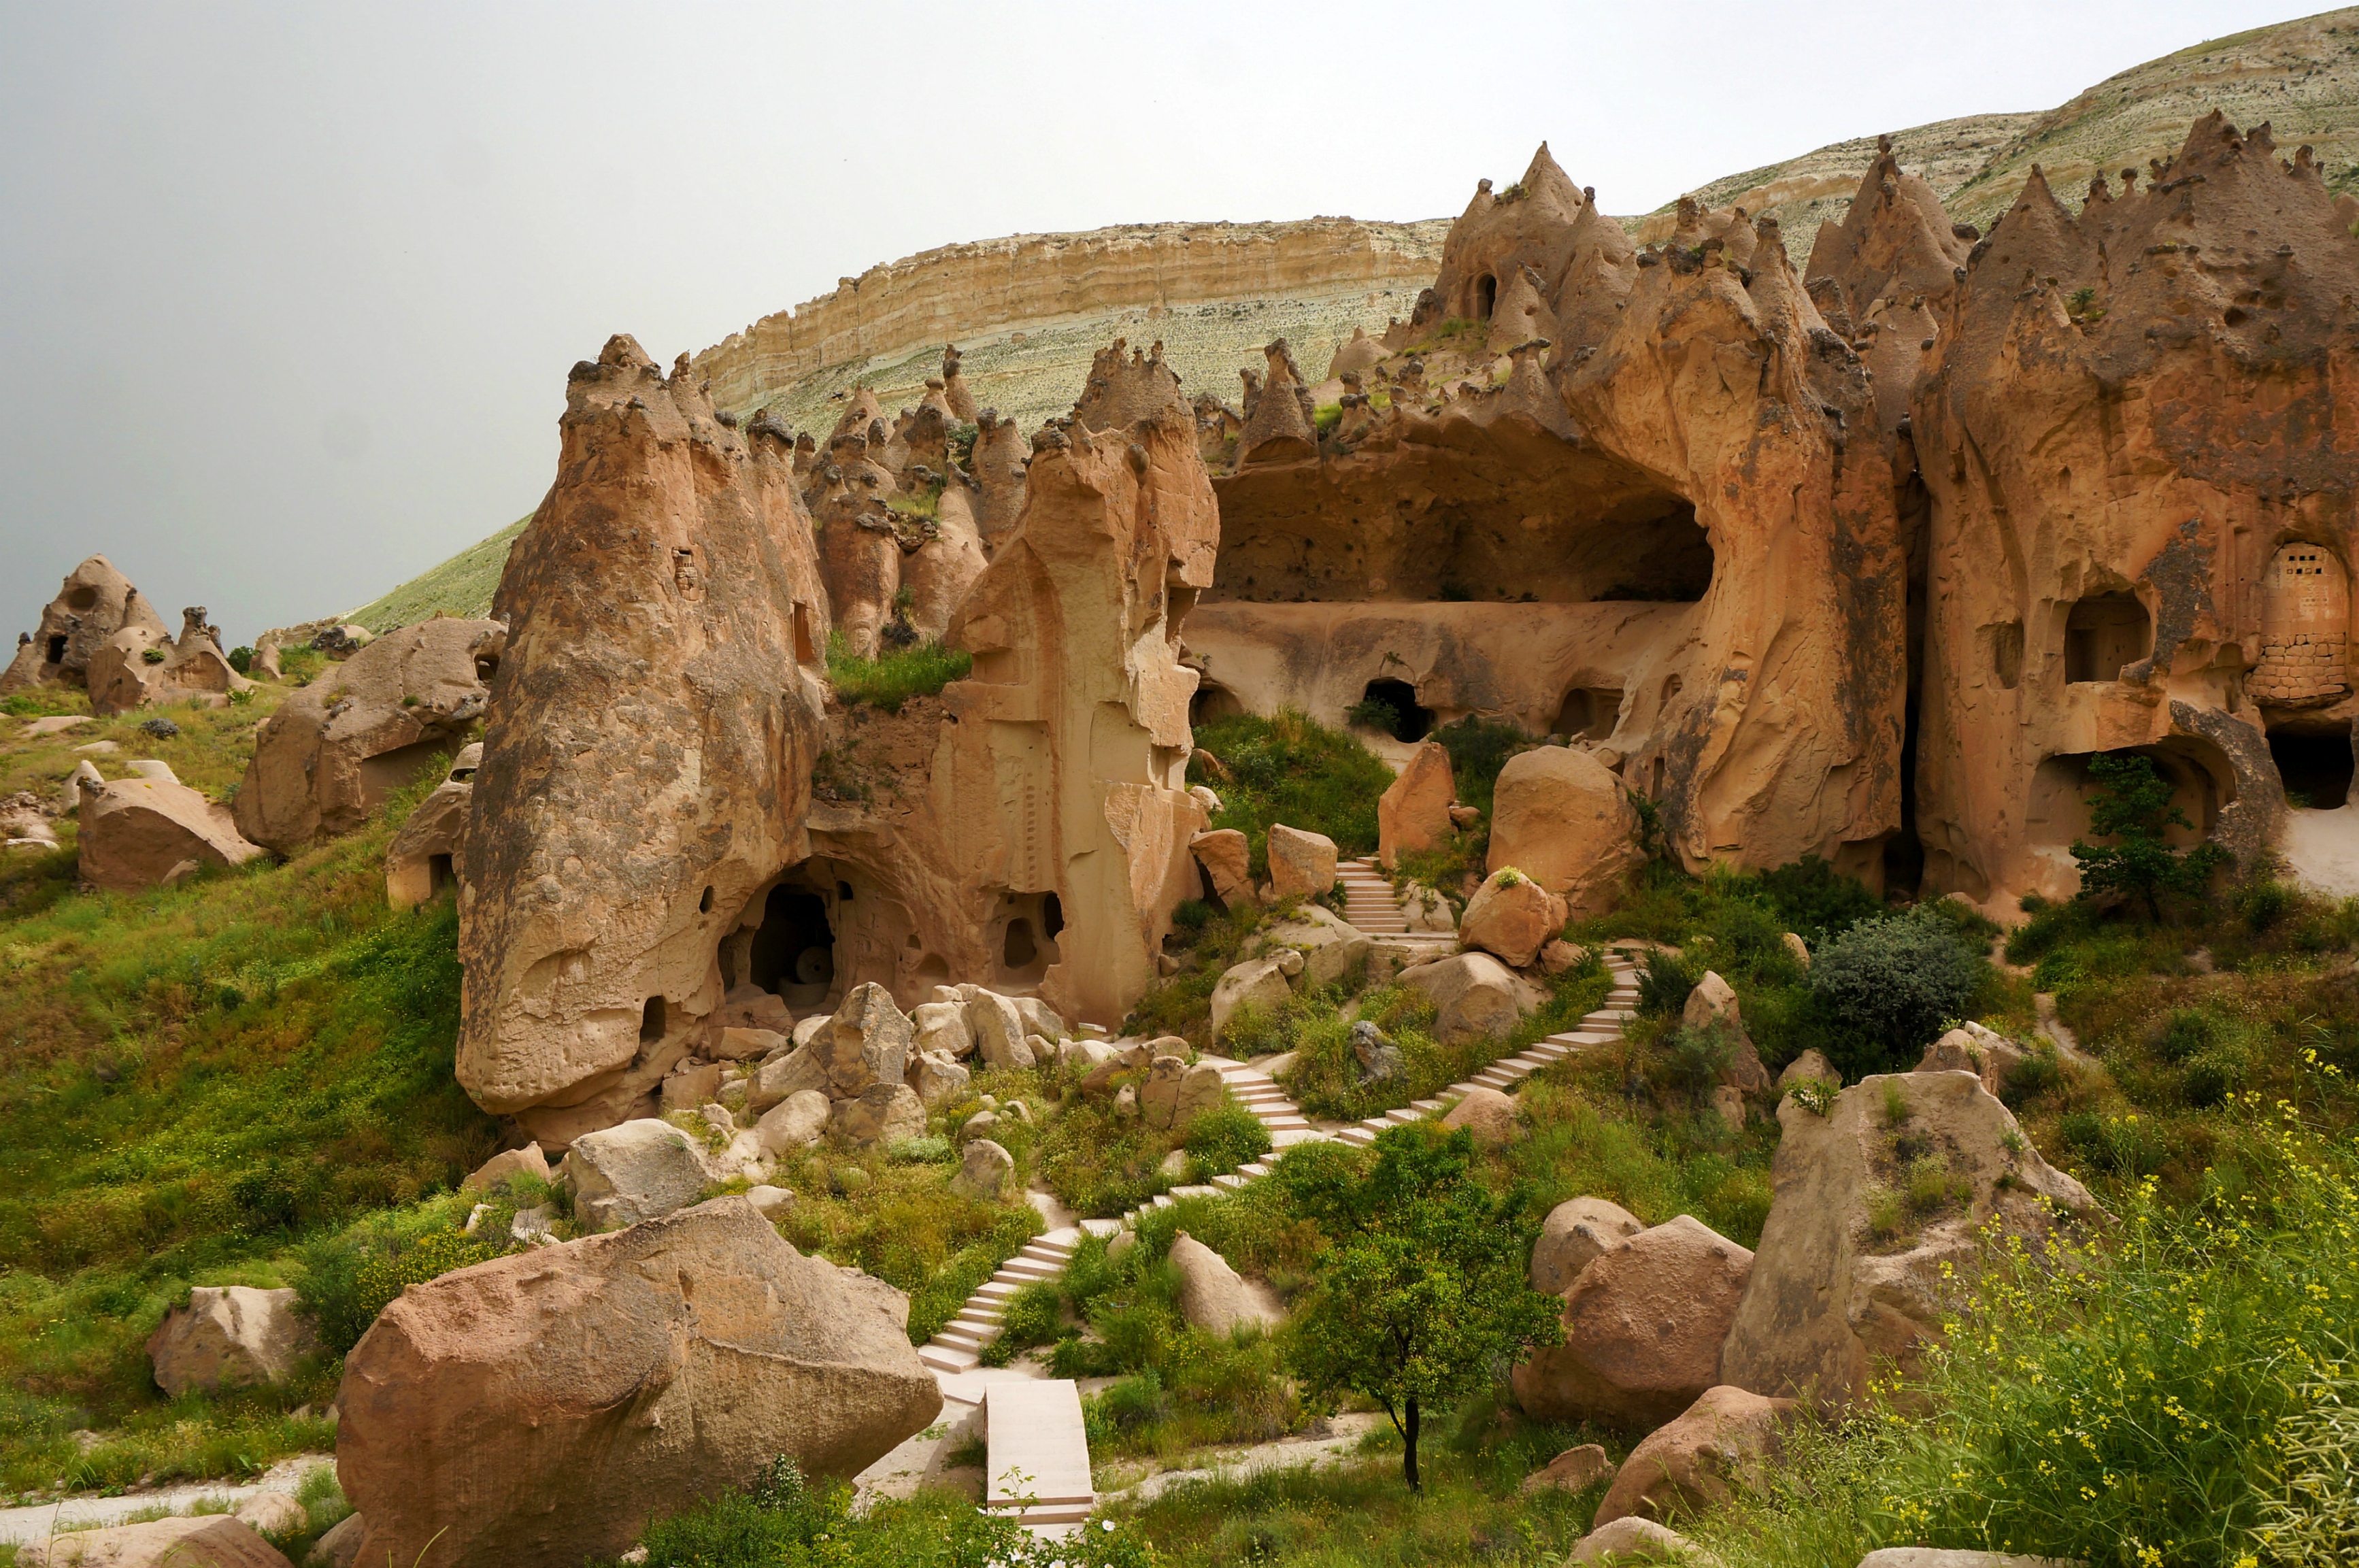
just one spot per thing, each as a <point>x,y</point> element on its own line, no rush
<point>288,293</point>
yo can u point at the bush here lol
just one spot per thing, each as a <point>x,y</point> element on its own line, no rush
<point>1224,1138</point>
<point>1664,981</point>
<point>1477,752</point>
<point>154,656</point>
<point>349,1277</point>
<point>892,679</point>
<point>1288,769</point>
<point>241,659</point>
<point>1895,981</point>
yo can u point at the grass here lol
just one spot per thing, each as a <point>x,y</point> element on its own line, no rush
<point>894,676</point>
<point>1292,769</point>
<point>460,586</point>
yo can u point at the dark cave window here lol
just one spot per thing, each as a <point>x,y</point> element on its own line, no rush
<point>1487,297</point>
<point>651,1021</point>
<point>2318,767</point>
<point>1412,720</point>
<point>794,949</point>
<point>57,650</point>
<point>1018,951</point>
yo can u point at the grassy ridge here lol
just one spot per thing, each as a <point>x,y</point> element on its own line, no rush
<point>460,586</point>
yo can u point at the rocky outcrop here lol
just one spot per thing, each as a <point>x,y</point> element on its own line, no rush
<point>210,1541</point>
<point>1475,997</point>
<point>1576,1234</point>
<point>1413,813</point>
<point>674,1359</point>
<point>228,1336</point>
<point>1832,1298</point>
<point>427,850</point>
<point>1212,1295</point>
<point>1301,864</point>
<point>647,752</point>
<point>1885,277</point>
<point>1513,916</point>
<point>1278,413</point>
<point>93,604</point>
<point>1559,817</point>
<point>1725,1441</point>
<point>326,761</point>
<point>139,664</point>
<point>150,828</point>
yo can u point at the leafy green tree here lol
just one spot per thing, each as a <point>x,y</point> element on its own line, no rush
<point>1421,1289</point>
<point>2132,807</point>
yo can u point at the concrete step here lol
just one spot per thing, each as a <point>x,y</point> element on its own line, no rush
<point>942,1358</point>
<point>1255,1168</point>
<point>1231,1183</point>
<point>966,1339</point>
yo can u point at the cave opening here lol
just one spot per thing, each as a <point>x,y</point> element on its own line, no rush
<point>1017,950</point>
<point>1212,702</point>
<point>81,598</point>
<point>1589,713</point>
<point>1487,297</point>
<point>1412,720</point>
<point>793,950</point>
<point>1664,559</point>
<point>651,1021</point>
<point>2104,632</point>
<point>440,874</point>
<point>2316,768</point>
<point>57,650</point>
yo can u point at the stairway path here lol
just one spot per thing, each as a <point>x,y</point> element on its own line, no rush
<point>1039,1454</point>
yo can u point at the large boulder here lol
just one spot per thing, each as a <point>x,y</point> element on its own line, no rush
<point>1713,1005</point>
<point>336,749</point>
<point>669,1361</point>
<point>796,1122</point>
<point>785,1075</point>
<point>1301,864</point>
<point>208,1541</point>
<point>423,857</point>
<point>1627,1541</point>
<point>493,1172</point>
<point>1559,817</point>
<point>143,831</point>
<point>866,1043</point>
<point>938,1078</point>
<point>883,1113</point>
<point>1474,995</point>
<point>1512,916</point>
<point>1260,982</point>
<point>642,1169</point>
<point>1489,1114</point>
<point>1831,1297</point>
<point>1643,1326</point>
<point>1574,1470</point>
<point>1226,856</point>
<point>229,1336</point>
<point>1976,1049</point>
<point>939,1029</point>
<point>1176,1094</point>
<point>1212,1294</point>
<point>999,1030</point>
<point>1724,1441</point>
<point>1414,810</point>
<point>1331,946</point>
<point>983,1170</point>
<point>1576,1234</point>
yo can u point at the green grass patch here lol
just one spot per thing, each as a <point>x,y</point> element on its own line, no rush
<point>894,676</point>
<point>1289,768</point>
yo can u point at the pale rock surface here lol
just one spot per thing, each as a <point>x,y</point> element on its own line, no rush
<point>1039,1019</point>
<point>999,1030</point>
<point>938,1078</point>
<point>1560,818</point>
<point>341,1546</point>
<point>1489,1114</point>
<point>229,1336</point>
<point>866,1043</point>
<point>1812,1065</point>
<point>749,1044</point>
<point>431,841</point>
<point>1475,996</point>
<point>1513,916</point>
<point>1413,812</point>
<point>796,1122</point>
<point>1212,1296</point>
<point>940,1029</point>
<point>122,677</point>
<point>1643,1326</point>
<point>525,1162</point>
<point>271,1513</point>
<point>1725,1441</point>
<point>884,1114</point>
<point>1329,945</point>
<point>779,1077</point>
<point>1260,982</point>
<point>1629,1540</point>
<point>983,1170</point>
<point>1175,1092</point>
<point>1575,1235</point>
<point>210,1541</point>
<point>1976,1049</point>
<point>672,1360</point>
<point>1823,1306</point>
<point>1574,1470</point>
<point>1226,856</point>
<point>690,1085</point>
<point>1426,910</point>
<point>1713,1004</point>
<point>132,832</point>
<point>639,1171</point>
<point>1301,864</point>
<point>1799,948</point>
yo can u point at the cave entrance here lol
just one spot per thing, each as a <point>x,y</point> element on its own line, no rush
<point>1212,702</point>
<point>1027,938</point>
<point>1487,297</point>
<point>1410,721</point>
<point>1665,558</point>
<point>2202,786</point>
<point>2316,768</point>
<point>793,950</point>
<point>2104,632</point>
<point>57,650</point>
<point>1589,713</point>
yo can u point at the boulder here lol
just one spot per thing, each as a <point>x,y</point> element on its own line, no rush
<point>272,1513</point>
<point>1799,948</point>
<point>642,1169</point>
<point>998,1031</point>
<point>1474,995</point>
<point>1829,1299</point>
<point>1643,1326</point>
<point>424,854</point>
<point>983,1170</point>
<point>1175,1094</point>
<point>939,1029</point>
<point>671,1361</point>
<point>1300,864</point>
<point>1633,1541</point>
<point>1259,981</point>
<point>1575,1235</point>
<point>883,1115</point>
<point>938,1078</point>
<point>1574,1470</point>
<point>1413,812</point>
<point>1426,910</point>
<point>749,1044</point>
<point>93,603</point>
<point>866,1043</point>
<point>1811,1065</point>
<point>691,1085</point>
<point>525,1162</point>
<point>1976,1049</point>
<point>1512,916</point>
<point>1559,817</point>
<point>1039,1019</point>
<point>228,1336</point>
<point>797,1122</point>
<point>1713,1004</point>
<point>769,1201</point>
<point>210,1541</point>
<point>1724,1441</point>
<point>1377,1056</point>
<point>1329,945</point>
<point>336,749</point>
<point>781,1076</point>
<point>341,1546</point>
<point>1226,856</point>
<point>134,833</point>
<point>1488,1114</point>
<point>1212,1294</point>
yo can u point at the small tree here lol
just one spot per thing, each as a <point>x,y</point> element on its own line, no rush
<point>1421,1287</point>
<point>2132,807</point>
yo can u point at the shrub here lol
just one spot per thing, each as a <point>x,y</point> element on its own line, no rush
<point>1694,1056</point>
<point>1477,751</point>
<point>1373,714</point>
<point>1664,981</point>
<point>1894,980</point>
<point>347,1287</point>
<point>241,659</point>
<point>1288,769</point>
<point>1815,902</point>
<point>153,655</point>
<point>1031,1318</point>
<point>1224,1138</point>
<point>893,678</point>
<point>2132,807</point>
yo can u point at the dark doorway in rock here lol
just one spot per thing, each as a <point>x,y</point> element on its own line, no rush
<point>1412,720</point>
<point>57,650</point>
<point>1487,297</point>
<point>1212,700</point>
<point>1018,951</point>
<point>1052,915</point>
<point>2316,768</point>
<point>651,1021</point>
<point>2102,633</point>
<point>793,951</point>
<point>439,874</point>
<point>1664,559</point>
<point>1589,713</point>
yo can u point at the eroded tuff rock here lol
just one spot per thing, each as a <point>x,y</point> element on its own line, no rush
<point>647,755</point>
<point>2143,410</point>
<point>150,828</point>
<point>327,760</point>
<point>424,855</point>
<point>122,675</point>
<point>93,603</point>
<point>1829,1298</point>
<point>671,1360</point>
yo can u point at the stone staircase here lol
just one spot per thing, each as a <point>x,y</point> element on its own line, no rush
<point>1038,1469</point>
<point>1369,902</point>
<point>959,1347</point>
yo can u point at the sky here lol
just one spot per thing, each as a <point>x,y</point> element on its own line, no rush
<point>288,293</point>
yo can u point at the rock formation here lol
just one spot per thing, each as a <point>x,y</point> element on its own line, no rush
<point>93,603</point>
<point>672,1360</point>
<point>150,828</point>
<point>336,749</point>
<point>647,752</point>
<point>425,853</point>
<point>228,1336</point>
<point>139,664</point>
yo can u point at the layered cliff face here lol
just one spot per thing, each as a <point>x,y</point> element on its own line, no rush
<point>2141,440</point>
<point>649,749</point>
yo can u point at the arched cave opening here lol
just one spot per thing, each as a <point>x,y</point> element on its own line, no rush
<point>1487,297</point>
<point>58,649</point>
<point>1665,559</point>
<point>2316,768</point>
<point>651,1021</point>
<point>440,874</point>
<point>1589,713</point>
<point>2104,632</point>
<point>2202,786</point>
<point>1411,721</point>
<point>793,950</point>
<point>1028,942</point>
<point>1212,702</point>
